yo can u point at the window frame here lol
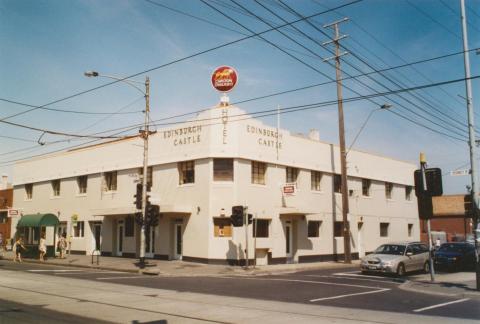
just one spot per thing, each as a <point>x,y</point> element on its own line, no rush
<point>366,185</point>
<point>185,178</point>
<point>337,183</point>
<point>388,190</point>
<point>56,187</point>
<point>110,180</point>
<point>316,233</point>
<point>410,229</point>
<point>219,172</point>
<point>408,193</point>
<point>316,180</point>
<point>257,176</point>
<point>263,222</point>
<point>28,191</point>
<point>80,227</point>
<point>79,185</point>
<point>291,174</point>
<point>383,229</point>
<point>338,226</point>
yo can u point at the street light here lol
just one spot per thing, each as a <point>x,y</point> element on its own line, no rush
<point>385,106</point>
<point>145,134</point>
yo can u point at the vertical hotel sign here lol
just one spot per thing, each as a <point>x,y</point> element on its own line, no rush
<point>224,79</point>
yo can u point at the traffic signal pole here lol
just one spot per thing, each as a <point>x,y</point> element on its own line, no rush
<point>245,222</point>
<point>471,135</point>
<point>145,135</point>
<point>423,163</point>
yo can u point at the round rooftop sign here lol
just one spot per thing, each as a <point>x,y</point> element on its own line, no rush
<point>224,78</point>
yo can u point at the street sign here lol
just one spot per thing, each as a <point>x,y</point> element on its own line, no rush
<point>224,78</point>
<point>460,172</point>
<point>12,212</point>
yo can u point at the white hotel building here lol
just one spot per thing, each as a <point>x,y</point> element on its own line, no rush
<point>199,170</point>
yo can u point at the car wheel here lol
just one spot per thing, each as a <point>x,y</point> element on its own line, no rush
<point>426,267</point>
<point>401,270</point>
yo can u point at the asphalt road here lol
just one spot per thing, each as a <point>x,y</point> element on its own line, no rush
<point>337,288</point>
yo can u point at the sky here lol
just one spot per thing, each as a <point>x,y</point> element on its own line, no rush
<point>47,45</point>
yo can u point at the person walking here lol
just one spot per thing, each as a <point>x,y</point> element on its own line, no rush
<point>18,247</point>
<point>62,245</point>
<point>42,247</point>
<point>2,244</point>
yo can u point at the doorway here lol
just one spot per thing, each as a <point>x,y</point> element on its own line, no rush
<point>361,249</point>
<point>178,241</point>
<point>120,232</point>
<point>150,242</point>
<point>288,242</point>
<point>97,236</point>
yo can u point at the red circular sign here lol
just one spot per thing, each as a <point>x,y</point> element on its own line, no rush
<point>224,78</point>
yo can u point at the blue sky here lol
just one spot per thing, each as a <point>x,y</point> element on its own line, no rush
<point>48,44</point>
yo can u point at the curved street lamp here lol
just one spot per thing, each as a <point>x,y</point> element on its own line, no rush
<point>145,134</point>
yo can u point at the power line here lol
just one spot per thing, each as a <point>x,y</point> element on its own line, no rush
<point>64,110</point>
<point>179,60</point>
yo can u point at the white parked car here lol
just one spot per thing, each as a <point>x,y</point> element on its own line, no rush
<point>397,258</point>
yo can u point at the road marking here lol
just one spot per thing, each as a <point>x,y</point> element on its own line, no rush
<point>306,281</point>
<point>130,277</point>
<point>348,295</point>
<point>362,279</point>
<point>56,270</point>
<point>90,272</point>
<point>441,305</point>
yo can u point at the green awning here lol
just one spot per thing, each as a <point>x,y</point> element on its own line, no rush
<point>37,220</point>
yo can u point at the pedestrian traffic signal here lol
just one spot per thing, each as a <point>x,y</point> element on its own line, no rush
<point>434,185</point>
<point>250,219</point>
<point>138,196</point>
<point>237,216</point>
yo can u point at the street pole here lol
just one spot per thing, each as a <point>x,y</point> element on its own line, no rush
<point>471,136</point>
<point>245,221</point>
<point>145,135</point>
<point>423,164</point>
<point>341,128</point>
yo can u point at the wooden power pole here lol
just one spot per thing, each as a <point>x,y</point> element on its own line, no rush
<point>341,130</point>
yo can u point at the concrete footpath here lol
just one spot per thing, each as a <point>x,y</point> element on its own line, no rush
<point>460,284</point>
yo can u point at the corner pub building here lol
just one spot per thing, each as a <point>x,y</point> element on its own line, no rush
<point>198,170</point>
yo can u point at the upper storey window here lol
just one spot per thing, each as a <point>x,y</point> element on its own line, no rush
<point>258,172</point>
<point>186,172</point>
<point>56,188</point>
<point>291,174</point>
<point>29,191</point>
<point>222,169</point>
<point>110,181</point>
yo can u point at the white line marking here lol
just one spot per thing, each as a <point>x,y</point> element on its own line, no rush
<point>362,279</point>
<point>90,272</point>
<point>348,295</point>
<point>305,281</point>
<point>57,270</point>
<point>441,305</point>
<point>131,277</point>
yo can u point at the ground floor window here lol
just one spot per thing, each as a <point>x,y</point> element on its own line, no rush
<point>260,228</point>
<point>384,229</point>
<point>222,227</point>
<point>338,229</point>
<point>314,228</point>
<point>410,230</point>
<point>78,229</point>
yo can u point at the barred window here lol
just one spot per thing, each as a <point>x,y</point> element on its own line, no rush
<point>316,179</point>
<point>291,174</point>
<point>258,172</point>
<point>186,172</point>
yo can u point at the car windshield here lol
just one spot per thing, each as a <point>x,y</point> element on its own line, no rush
<point>390,249</point>
<point>449,247</point>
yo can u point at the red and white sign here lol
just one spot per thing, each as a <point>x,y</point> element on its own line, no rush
<point>289,189</point>
<point>224,78</point>
<point>13,212</point>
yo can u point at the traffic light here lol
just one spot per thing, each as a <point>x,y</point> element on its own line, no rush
<point>433,177</point>
<point>152,213</point>
<point>250,218</point>
<point>237,216</point>
<point>138,196</point>
<point>139,219</point>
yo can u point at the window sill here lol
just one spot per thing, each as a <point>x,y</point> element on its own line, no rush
<point>186,185</point>
<point>317,191</point>
<point>28,199</point>
<point>110,192</point>
<point>258,185</point>
<point>55,197</point>
<point>81,195</point>
<point>367,197</point>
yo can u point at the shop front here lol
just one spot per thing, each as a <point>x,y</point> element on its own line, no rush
<point>32,227</point>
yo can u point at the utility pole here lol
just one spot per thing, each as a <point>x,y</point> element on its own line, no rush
<point>471,135</point>
<point>423,164</point>
<point>341,130</point>
<point>145,135</point>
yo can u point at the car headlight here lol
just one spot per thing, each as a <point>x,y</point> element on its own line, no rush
<point>386,263</point>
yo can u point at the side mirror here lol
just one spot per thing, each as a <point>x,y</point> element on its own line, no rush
<point>409,254</point>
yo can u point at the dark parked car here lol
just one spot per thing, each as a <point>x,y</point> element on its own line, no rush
<point>455,256</point>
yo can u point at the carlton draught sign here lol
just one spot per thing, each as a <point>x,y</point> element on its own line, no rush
<point>224,78</point>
